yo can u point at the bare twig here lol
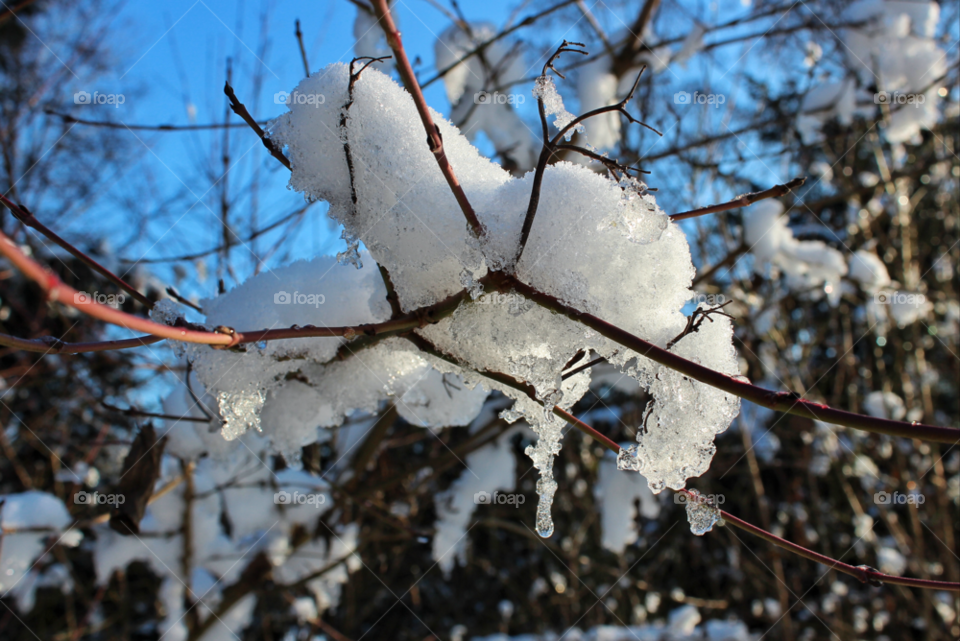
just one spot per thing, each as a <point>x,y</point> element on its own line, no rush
<point>51,345</point>
<point>434,140</point>
<point>119,125</point>
<point>25,216</point>
<point>135,412</point>
<point>241,111</point>
<point>180,299</point>
<point>550,146</point>
<point>742,201</point>
<point>303,51</point>
<point>695,320</point>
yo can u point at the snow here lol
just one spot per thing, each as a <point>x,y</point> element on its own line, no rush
<point>599,246</point>
<point>700,514</point>
<point>596,88</point>
<point>884,405</point>
<point>809,266</point>
<point>472,84</point>
<point>617,493</point>
<point>867,269</point>
<point>546,91</point>
<point>45,516</point>
<point>895,52</point>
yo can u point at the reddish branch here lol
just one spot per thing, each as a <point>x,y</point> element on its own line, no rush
<point>27,218</point>
<point>742,201</point>
<point>788,402</point>
<point>863,573</point>
<point>51,345</point>
<point>228,337</point>
<point>434,139</point>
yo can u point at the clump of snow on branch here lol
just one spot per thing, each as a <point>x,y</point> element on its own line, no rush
<point>597,245</point>
<point>482,89</point>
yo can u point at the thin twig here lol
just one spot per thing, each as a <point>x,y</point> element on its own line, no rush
<point>25,216</point>
<point>51,345</point>
<point>303,51</point>
<point>695,320</point>
<point>241,111</point>
<point>180,299</point>
<point>135,412</point>
<point>742,201</point>
<point>119,125</point>
<point>550,146</point>
<point>434,139</point>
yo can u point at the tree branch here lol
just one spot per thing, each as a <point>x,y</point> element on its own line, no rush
<point>25,216</point>
<point>434,140</point>
<point>742,201</point>
<point>787,402</point>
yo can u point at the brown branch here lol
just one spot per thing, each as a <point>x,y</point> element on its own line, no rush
<point>51,345</point>
<point>183,301</point>
<point>787,402</point>
<point>119,125</point>
<point>550,146</point>
<point>434,139</point>
<point>742,201</point>
<point>26,217</point>
<point>303,51</point>
<point>135,412</point>
<point>241,111</point>
<point>635,44</point>
<point>864,573</point>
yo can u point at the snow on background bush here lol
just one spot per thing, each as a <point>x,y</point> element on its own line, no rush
<point>893,51</point>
